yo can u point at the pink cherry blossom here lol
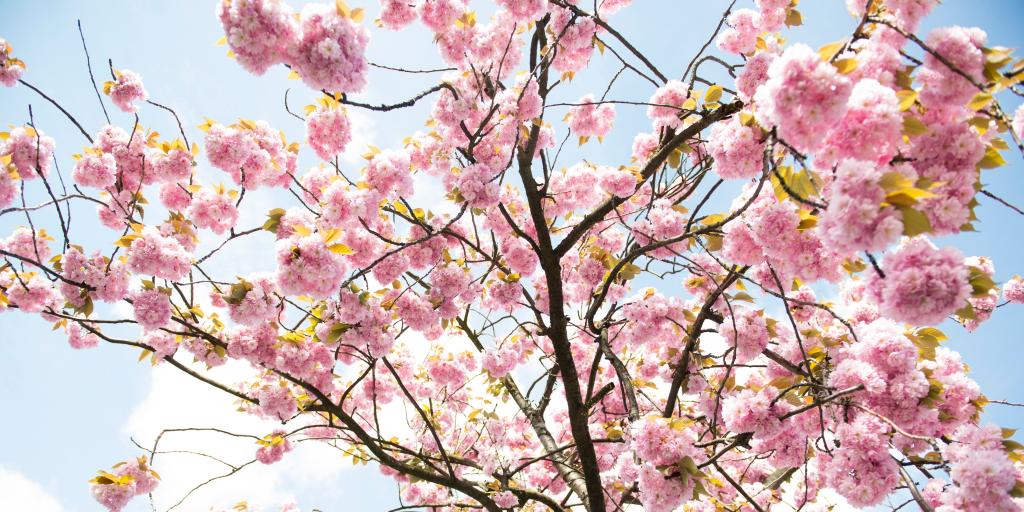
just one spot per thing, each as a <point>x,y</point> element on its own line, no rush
<point>589,119</point>
<point>329,53</point>
<point>1013,290</point>
<point>397,14</point>
<point>922,284</point>
<point>259,32</point>
<point>152,308</point>
<point>328,131</point>
<point>738,150</point>
<point>127,90</point>
<point>154,254</point>
<point>30,150</point>
<point>214,210</point>
<point>11,68</point>
<point>802,98</point>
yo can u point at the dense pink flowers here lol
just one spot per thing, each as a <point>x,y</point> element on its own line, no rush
<point>126,90</point>
<point>659,493</point>
<point>870,130</point>
<point>397,14</point>
<point>1018,121</point>
<point>329,53</point>
<point>1013,290</point>
<point>79,337</point>
<point>803,97</point>
<point>252,152</point>
<point>273,447</point>
<point>259,32</point>
<point>213,209</point>
<point>855,219</point>
<point>30,151</point>
<point>109,281</point>
<point>738,150</point>
<point>741,35</point>
<point>328,131</point>
<point>126,480</point>
<point>154,254</point>
<point>923,284</point>
<point>666,106</point>
<point>95,169</point>
<point>745,330</point>
<point>28,243</point>
<point>307,266</point>
<point>388,174</point>
<point>152,308</point>
<point>253,301</point>
<point>943,88</point>
<point>861,469</point>
<point>590,119</point>
<point>11,68</point>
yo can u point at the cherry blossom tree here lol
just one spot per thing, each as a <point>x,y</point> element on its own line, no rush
<point>531,330</point>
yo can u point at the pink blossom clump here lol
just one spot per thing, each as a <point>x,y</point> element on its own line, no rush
<point>397,14</point>
<point>307,266</point>
<point>871,129</point>
<point>505,499</point>
<point>590,119</point>
<point>1018,121</point>
<point>575,42</point>
<point>126,90</point>
<point>660,493</point>
<point>803,97</point>
<point>983,473</point>
<point>95,169</point>
<point>259,32</point>
<point>109,280</point>
<point>855,219</point>
<point>330,53</point>
<point>328,131</point>
<point>861,469</point>
<point>163,344</point>
<point>11,68</point>
<point>738,150</point>
<point>152,308</point>
<point>154,254</point>
<point>273,447</point>
<point>660,442</point>
<point>526,10</point>
<point>252,152</point>
<point>388,174</point>
<point>30,150</point>
<point>79,337</point>
<point>922,284</point>
<point>747,331</point>
<point>755,73</point>
<point>28,243</point>
<point>741,36</point>
<point>665,106</point>
<point>8,188</point>
<point>753,411</point>
<point>213,209</point>
<point>1013,290</point>
<point>125,481</point>
<point>941,86</point>
<point>253,301</point>
<point>30,293</point>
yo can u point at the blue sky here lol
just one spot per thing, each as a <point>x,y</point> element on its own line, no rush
<point>68,413</point>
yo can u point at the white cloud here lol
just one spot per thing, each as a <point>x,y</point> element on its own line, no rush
<point>176,400</point>
<point>364,132</point>
<point>20,493</point>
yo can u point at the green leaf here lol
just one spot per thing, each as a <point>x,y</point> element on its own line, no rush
<point>914,222</point>
<point>714,94</point>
